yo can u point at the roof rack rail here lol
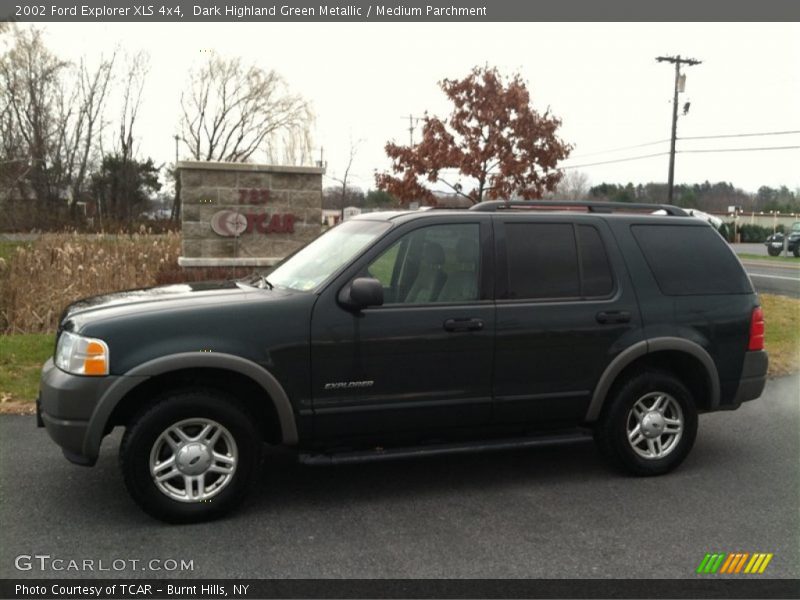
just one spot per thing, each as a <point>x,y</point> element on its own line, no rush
<point>595,207</point>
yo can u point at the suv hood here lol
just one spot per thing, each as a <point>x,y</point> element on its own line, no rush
<point>144,299</point>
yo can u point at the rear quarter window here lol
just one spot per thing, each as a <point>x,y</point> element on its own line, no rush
<point>690,260</point>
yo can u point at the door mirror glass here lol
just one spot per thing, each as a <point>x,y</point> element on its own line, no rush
<point>362,292</point>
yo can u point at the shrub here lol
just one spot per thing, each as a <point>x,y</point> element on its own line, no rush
<point>40,279</point>
<point>755,233</point>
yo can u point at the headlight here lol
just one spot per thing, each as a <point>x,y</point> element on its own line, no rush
<point>81,355</point>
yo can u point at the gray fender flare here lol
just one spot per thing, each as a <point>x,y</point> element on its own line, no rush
<point>639,349</point>
<point>188,360</point>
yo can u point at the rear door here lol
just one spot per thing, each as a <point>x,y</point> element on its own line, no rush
<point>565,308</point>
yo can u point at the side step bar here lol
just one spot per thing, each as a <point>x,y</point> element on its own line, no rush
<point>377,454</point>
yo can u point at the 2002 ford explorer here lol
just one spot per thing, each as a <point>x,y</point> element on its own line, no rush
<point>394,334</point>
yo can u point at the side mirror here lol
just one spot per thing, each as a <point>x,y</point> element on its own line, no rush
<point>361,293</point>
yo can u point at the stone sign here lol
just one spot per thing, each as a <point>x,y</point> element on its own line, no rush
<point>235,214</point>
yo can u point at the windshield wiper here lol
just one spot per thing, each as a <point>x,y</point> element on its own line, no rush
<point>266,282</point>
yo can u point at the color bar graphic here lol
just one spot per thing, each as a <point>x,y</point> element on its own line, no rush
<point>734,562</point>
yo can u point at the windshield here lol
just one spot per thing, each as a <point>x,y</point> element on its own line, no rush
<point>796,226</point>
<point>327,254</point>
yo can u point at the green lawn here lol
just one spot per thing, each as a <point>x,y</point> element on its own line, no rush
<point>21,359</point>
<point>765,256</point>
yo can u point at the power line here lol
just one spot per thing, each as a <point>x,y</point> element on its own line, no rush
<point>737,135</point>
<point>739,149</point>
<point>620,149</point>
<point>619,160</point>
<point>691,137</point>
<point>704,150</point>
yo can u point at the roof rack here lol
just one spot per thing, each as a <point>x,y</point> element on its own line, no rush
<point>593,207</point>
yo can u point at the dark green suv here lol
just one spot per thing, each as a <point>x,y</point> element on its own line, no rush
<point>400,334</point>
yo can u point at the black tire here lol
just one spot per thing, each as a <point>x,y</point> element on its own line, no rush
<point>182,407</point>
<point>617,418</point>
<point>796,251</point>
<point>774,251</point>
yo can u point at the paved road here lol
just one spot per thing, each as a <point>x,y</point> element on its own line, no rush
<point>774,279</point>
<point>771,277</point>
<point>551,512</point>
<point>755,248</point>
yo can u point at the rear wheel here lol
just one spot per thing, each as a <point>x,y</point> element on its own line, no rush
<point>190,456</point>
<point>649,425</point>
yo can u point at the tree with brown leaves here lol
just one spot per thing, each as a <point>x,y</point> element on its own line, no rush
<point>493,139</point>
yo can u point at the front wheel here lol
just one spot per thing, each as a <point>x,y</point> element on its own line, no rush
<point>774,251</point>
<point>191,456</point>
<point>796,250</point>
<point>649,425</point>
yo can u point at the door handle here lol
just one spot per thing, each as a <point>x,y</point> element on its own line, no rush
<point>463,325</point>
<point>613,316</point>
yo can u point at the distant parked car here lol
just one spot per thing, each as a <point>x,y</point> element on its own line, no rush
<point>774,243</point>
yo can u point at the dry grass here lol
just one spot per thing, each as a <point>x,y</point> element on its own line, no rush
<point>38,280</point>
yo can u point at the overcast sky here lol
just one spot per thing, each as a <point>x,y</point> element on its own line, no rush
<point>602,80</point>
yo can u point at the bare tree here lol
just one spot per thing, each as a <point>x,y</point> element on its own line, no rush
<point>137,69</point>
<point>13,158</point>
<point>30,81</point>
<point>574,185</point>
<point>343,179</point>
<point>86,129</point>
<point>293,146</point>
<point>231,111</point>
<point>51,114</point>
<point>132,83</point>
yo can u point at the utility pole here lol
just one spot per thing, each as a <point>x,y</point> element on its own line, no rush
<point>677,61</point>
<point>412,121</point>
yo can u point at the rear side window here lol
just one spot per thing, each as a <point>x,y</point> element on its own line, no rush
<point>545,261</point>
<point>688,261</point>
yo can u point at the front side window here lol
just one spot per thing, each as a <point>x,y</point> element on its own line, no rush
<point>323,257</point>
<point>439,263</point>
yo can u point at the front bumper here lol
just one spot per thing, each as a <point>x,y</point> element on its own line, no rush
<point>65,407</point>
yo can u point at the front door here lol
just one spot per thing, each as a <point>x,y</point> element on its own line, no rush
<point>423,360</point>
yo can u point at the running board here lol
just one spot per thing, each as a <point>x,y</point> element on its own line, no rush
<point>376,454</point>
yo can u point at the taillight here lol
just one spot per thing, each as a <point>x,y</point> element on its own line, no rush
<point>756,330</point>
